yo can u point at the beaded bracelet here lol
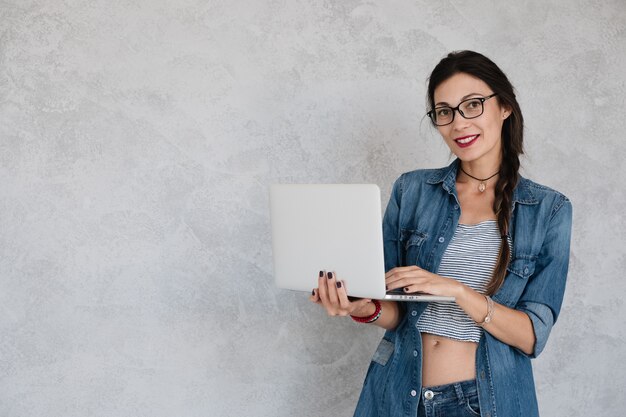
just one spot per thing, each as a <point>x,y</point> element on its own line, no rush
<point>373,317</point>
<point>489,311</point>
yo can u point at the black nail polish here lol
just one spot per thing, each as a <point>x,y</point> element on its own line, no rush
<point>338,284</point>
<point>386,287</point>
<point>321,274</point>
<point>406,289</point>
<point>313,292</point>
<point>330,275</point>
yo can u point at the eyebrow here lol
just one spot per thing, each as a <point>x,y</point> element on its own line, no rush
<point>462,98</point>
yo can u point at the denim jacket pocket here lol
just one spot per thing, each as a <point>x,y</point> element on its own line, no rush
<point>519,271</point>
<point>523,267</point>
<point>383,352</point>
<point>412,241</point>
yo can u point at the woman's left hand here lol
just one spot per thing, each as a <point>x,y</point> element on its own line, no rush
<point>415,279</point>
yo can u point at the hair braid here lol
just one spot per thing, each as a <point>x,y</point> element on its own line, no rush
<point>502,206</point>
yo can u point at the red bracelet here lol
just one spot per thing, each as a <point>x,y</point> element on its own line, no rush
<point>373,317</point>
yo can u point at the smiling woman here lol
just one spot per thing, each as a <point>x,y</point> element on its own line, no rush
<point>497,242</point>
<point>475,137</point>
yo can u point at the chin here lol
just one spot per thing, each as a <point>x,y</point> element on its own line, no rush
<point>467,156</point>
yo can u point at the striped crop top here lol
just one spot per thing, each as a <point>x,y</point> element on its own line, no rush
<point>470,258</point>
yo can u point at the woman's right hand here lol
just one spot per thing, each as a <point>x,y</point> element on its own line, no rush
<point>331,294</point>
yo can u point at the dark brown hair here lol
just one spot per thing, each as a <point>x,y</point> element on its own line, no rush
<point>483,68</point>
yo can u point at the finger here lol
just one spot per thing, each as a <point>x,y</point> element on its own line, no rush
<point>390,272</point>
<point>400,269</point>
<point>332,289</point>
<point>409,270</point>
<point>342,295</point>
<point>322,290</point>
<point>411,289</point>
<point>397,284</point>
<point>393,280</point>
<point>396,275</point>
<point>397,281</point>
<point>407,282</point>
<point>314,296</point>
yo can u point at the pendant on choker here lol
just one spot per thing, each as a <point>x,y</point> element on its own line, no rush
<point>482,185</point>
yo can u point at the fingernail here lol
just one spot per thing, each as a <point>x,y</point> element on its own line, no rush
<point>321,274</point>
<point>338,284</point>
<point>330,275</point>
<point>386,287</point>
<point>406,288</point>
<point>313,292</point>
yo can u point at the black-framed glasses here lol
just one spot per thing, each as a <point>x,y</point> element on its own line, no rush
<point>469,109</point>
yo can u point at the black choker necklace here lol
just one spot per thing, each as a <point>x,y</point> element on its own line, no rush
<point>482,186</point>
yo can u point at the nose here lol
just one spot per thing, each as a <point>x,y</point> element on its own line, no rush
<point>459,122</point>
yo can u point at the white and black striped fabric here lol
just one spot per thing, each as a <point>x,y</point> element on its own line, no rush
<point>469,258</point>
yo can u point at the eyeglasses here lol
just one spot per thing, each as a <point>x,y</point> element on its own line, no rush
<point>469,109</point>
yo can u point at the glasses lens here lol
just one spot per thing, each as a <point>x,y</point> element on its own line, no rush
<point>472,108</point>
<point>442,115</point>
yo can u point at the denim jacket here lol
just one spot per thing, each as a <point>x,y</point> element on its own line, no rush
<point>419,222</point>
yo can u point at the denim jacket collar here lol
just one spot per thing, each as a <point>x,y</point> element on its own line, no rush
<point>447,177</point>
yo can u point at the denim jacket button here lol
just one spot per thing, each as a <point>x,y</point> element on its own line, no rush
<point>414,313</point>
<point>415,353</point>
<point>429,395</point>
<point>413,393</point>
<point>441,239</point>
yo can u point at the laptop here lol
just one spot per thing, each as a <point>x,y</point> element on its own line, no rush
<point>332,227</point>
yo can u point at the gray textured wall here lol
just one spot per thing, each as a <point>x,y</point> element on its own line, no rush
<point>137,143</point>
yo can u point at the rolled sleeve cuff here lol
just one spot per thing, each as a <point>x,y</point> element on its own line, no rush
<point>542,319</point>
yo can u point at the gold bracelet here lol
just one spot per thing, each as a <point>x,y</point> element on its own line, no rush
<point>489,311</point>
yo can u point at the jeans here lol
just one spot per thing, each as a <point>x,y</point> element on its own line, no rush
<point>459,399</point>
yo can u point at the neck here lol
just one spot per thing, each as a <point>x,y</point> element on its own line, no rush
<point>479,169</point>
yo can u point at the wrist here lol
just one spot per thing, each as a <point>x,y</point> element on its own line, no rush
<point>462,293</point>
<point>371,318</point>
<point>490,309</point>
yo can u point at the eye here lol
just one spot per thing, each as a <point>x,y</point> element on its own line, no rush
<point>442,112</point>
<point>473,104</point>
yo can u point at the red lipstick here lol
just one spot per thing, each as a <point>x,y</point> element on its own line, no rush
<point>466,141</point>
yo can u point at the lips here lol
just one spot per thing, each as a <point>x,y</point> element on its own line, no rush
<point>466,141</point>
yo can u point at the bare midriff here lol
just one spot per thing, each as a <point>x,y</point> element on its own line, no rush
<point>447,360</point>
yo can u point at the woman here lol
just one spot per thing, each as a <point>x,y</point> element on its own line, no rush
<point>475,230</point>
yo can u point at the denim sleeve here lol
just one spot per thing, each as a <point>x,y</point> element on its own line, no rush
<point>391,227</point>
<point>543,294</point>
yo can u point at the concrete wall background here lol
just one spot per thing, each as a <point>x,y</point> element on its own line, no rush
<point>137,142</point>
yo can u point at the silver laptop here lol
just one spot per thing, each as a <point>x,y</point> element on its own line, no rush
<point>332,227</point>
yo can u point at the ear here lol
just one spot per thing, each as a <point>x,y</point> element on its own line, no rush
<point>505,111</point>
